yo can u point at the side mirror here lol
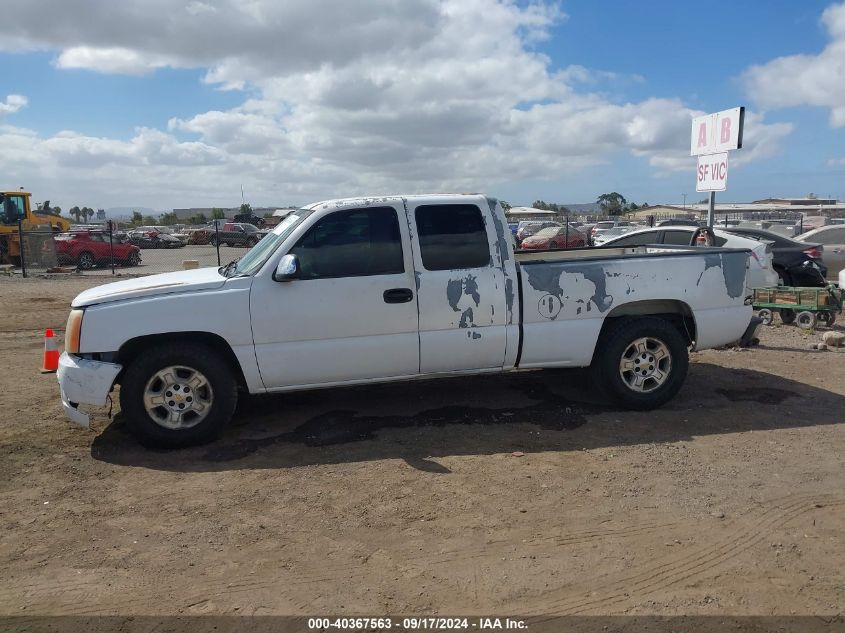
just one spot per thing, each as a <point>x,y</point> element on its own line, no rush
<point>287,269</point>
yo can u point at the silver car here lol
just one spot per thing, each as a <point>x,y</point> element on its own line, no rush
<point>833,239</point>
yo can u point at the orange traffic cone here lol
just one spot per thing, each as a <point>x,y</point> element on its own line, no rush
<point>51,353</point>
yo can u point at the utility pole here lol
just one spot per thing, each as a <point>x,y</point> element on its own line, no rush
<point>711,209</point>
<point>685,201</point>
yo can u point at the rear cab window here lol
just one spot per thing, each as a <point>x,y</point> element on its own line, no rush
<point>452,237</point>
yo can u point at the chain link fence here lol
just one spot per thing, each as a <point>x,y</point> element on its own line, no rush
<point>113,249</point>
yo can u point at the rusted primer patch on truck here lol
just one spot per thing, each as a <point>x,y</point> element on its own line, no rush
<point>502,243</point>
<point>457,288</point>
<point>733,271</point>
<point>546,278</point>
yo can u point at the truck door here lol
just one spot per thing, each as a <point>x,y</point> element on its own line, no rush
<point>460,290</point>
<point>352,313</point>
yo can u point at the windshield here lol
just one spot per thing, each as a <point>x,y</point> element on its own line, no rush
<point>259,253</point>
<point>548,232</point>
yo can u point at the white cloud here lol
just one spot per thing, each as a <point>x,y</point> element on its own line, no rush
<point>795,80</point>
<point>12,104</point>
<point>342,98</point>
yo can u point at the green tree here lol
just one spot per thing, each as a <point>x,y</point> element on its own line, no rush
<point>199,218</point>
<point>217,214</point>
<point>75,212</point>
<point>148,219</point>
<point>612,203</point>
<point>505,205</point>
<point>246,209</point>
<point>168,219</point>
<point>137,218</point>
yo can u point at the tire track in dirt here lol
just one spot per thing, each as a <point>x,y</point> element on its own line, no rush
<point>79,596</point>
<point>701,560</point>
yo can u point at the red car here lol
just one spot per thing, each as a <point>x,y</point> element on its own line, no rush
<point>554,237</point>
<point>86,249</point>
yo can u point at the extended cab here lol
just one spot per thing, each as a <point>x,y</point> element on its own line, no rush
<point>364,290</point>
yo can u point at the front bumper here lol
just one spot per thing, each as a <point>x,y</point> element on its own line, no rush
<point>83,381</point>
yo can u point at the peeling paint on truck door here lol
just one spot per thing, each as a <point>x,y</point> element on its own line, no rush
<point>461,289</point>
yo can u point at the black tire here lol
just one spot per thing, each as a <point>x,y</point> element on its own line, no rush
<point>806,320</point>
<point>251,242</point>
<point>197,357</point>
<point>86,260</point>
<point>787,316</point>
<point>213,241</point>
<point>134,259</point>
<point>766,316</point>
<point>613,344</point>
<point>785,277</point>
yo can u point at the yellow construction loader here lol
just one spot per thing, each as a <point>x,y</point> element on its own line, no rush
<point>16,210</point>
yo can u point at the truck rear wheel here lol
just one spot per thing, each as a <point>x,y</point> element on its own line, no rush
<point>641,362</point>
<point>177,396</point>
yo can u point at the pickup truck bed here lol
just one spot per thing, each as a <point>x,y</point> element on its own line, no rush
<point>362,290</point>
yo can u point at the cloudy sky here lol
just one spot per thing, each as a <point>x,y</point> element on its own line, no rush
<point>165,103</point>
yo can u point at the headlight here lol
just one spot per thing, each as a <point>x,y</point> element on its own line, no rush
<point>73,330</point>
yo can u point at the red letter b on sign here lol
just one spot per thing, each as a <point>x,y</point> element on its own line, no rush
<point>726,130</point>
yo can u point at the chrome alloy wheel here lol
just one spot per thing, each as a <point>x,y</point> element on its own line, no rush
<point>178,397</point>
<point>645,365</point>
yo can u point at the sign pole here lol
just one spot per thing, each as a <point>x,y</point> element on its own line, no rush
<point>711,210</point>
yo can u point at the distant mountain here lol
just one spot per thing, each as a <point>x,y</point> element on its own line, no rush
<point>584,207</point>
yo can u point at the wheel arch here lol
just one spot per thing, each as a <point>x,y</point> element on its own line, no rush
<point>676,312</point>
<point>216,343</point>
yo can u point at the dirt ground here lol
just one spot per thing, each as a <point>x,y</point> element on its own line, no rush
<point>414,498</point>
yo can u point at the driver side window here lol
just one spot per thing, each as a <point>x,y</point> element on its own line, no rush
<point>352,243</point>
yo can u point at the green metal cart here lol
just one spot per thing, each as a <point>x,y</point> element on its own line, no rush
<point>806,307</point>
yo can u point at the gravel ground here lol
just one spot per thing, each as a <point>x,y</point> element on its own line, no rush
<point>498,494</point>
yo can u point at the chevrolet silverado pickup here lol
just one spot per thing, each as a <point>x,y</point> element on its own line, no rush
<point>355,291</point>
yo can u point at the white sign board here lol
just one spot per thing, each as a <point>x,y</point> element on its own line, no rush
<point>712,172</point>
<point>718,132</point>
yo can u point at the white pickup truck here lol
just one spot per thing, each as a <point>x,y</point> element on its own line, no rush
<point>364,290</point>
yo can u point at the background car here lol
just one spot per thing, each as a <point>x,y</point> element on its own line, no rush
<point>168,230</point>
<point>611,234</point>
<point>236,234</point>
<point>678,222</point>
<point>761,273</point>
<point>606,225</point>
<point>151,238</point>
<point>555,237</point>
<point>796,263</point>
<point>87,249</point>
<point>832,238</point>
<point>527,228</point>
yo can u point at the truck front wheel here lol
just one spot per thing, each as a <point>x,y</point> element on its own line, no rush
<point>177,396</point>
<point>641,362</point>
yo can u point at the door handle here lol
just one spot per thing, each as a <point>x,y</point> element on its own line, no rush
<point>398,295</point>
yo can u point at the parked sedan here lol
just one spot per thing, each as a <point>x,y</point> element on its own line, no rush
<point>87,249</point>
<point>832,238</point>
<point>611,234</point>
<point>554,237</point>
<point>761,273</point>
<point>527,228</point>
<point>153,239</point>
<point>796,263</point>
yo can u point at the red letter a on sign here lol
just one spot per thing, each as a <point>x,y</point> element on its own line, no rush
<point>702,135</point>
